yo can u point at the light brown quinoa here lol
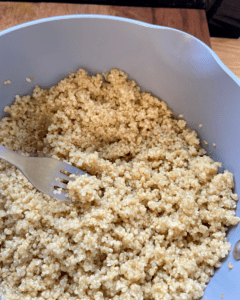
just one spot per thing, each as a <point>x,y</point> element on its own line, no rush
<point>230,265</point>
<point>7,81</point>
<point>149,224</point>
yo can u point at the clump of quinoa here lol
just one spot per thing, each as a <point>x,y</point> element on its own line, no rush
<point>150,222</point>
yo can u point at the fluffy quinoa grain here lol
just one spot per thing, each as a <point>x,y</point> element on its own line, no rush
<point>150,223</point>
<point>235,197</point>
<point>7,82</point>
<point>230,265</point>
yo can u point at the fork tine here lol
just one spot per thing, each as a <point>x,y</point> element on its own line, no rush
<point>60,184</point>
<point>64,177</point>
<point>62,197</point>
<point>69,168</point>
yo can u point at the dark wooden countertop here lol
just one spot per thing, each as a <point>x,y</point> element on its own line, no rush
<point>189,20</point>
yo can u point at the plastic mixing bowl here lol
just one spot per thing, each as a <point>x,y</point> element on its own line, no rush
<point>172,65</point>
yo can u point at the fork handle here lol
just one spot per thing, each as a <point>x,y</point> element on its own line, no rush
<point>12,157</point>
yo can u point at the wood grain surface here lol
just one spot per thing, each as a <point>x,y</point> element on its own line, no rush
<point>191,21</point>
<point>14,13</point>
<point>228,51</point>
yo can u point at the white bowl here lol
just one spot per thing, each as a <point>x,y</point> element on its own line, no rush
<point>170,64</point>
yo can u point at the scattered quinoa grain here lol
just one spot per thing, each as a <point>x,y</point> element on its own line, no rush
<point>230,265</point>
<point>205,142</point>
<point>214,145</point>
<point>32,77</point>
<point>149,223</point>
<point>200,125</point>
<point>235,197</point>
<point>7,82</point>
<point>181,123</point>
<point>222,296</point>
<point>180,116</point>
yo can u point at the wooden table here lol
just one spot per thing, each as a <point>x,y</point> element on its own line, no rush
<point>192,21</point>
<point>229,52</point>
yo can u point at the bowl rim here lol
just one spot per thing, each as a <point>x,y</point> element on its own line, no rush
<point>130,21</point>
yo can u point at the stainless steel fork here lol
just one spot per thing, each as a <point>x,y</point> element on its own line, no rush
<point>42,172</point>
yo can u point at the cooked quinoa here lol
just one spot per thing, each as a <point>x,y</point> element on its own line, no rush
<point>150,223</point>
<point>230,265</point>
<point>7,81</point>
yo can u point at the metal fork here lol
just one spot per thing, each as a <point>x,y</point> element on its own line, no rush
<point>42,172</point>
